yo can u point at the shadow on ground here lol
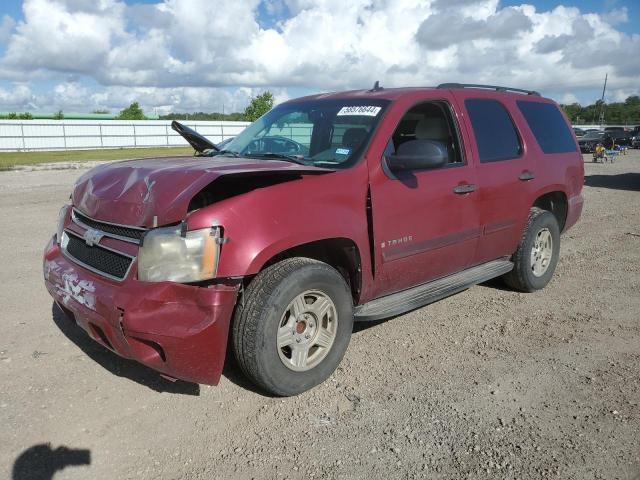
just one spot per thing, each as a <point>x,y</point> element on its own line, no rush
<point>117,365</point>
<point>41,462</point>
<point>622,181</point>
<point>232,372</point>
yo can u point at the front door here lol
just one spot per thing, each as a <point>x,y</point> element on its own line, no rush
<point>425,223</point>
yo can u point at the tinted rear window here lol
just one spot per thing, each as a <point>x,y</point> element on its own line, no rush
<point>495,133</point>
<point>548,126</point>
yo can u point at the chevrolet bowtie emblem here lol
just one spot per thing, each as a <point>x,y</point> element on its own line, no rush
<point>92,237</point>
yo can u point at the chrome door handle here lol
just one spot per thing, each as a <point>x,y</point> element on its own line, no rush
<point>526,176</point>
<point>464,188</point>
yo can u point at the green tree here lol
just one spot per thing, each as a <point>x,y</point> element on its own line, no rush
<point>59,115</point>
<point>625,113</point>
<point>259,106</point>
<point>25,116</point>
<point>100,111</point>
<point>12,116</point>
<point>132,112</point>
<point>632,101</point>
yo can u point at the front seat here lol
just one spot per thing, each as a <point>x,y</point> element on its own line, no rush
<point>435,128</point>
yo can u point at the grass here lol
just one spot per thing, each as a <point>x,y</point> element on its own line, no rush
<point>8,160</point>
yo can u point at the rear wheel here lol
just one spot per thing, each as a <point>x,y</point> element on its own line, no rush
<point>293,326</point>
<point>537,255</point>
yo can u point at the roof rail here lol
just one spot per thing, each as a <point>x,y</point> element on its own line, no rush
<point>488,87</point>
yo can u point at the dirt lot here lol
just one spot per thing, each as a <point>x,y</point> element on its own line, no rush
<point>486,384</point>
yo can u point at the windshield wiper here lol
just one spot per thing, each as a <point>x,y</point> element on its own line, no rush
<point>299,159</point>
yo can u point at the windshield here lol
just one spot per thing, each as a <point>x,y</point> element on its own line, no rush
<point>323,133</point>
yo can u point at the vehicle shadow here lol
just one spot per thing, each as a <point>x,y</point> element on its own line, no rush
<point>622,181</point>
<point>41,462</point>
<point>117,365</point>
<point>231,371</point>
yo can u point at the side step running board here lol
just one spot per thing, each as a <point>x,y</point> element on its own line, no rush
<point>416,297</point>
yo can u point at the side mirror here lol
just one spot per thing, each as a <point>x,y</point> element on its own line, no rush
<point>418,155</point>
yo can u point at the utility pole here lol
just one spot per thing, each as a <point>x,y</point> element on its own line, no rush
<point>604,89</point>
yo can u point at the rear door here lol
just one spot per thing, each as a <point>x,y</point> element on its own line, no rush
<point>504,169</point>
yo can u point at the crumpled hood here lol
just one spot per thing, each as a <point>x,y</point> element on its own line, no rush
<point>133,192</point>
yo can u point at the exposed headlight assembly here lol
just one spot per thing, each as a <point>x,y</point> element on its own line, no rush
<point>173,254</point>
<point>62,218</point>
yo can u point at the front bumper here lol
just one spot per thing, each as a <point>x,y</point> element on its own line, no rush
<point>178,330</point>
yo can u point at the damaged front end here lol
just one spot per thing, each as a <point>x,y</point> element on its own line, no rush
<point>127,269</point>
<point>177,329</point>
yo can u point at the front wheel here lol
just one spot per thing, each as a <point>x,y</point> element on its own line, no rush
<point>293,325</point>
<point>537,255</point>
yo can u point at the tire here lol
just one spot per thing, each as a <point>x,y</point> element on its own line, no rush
<point>279,305</point>
<point>529,275</point>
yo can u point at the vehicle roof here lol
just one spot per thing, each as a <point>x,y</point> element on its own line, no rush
<point>393,94</point>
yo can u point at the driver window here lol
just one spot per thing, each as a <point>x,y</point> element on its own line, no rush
<point>428,121</point>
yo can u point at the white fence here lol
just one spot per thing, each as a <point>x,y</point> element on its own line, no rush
<point>91,134</point>
<point>602,127</point>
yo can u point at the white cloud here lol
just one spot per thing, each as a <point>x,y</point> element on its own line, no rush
<point>568,99</point>
<point>6,27</point>
<point>18,98</point>
<point>198,54</point>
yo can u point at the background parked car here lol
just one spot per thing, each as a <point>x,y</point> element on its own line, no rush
<point>589,141</point>
<point>635,139</point>
<point>579,132</point>
<point>621,137</point>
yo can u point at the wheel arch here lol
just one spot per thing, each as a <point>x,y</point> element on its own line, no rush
<point>340,253</point>
<point>556,202</point>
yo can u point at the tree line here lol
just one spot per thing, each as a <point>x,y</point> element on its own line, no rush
<point>258,106</point>
<point>617,113</point>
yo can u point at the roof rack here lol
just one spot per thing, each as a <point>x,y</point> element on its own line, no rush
<point>488,87</point>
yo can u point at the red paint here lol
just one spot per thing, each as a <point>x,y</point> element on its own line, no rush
<point>181,330</point>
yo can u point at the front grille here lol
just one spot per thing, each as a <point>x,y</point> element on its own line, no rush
<point>108,228</point>
<point>97,258</point>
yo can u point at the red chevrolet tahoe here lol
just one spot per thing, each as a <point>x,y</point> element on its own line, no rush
<point>330,208</point>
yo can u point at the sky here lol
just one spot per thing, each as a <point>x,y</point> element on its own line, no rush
<point>210,55</point>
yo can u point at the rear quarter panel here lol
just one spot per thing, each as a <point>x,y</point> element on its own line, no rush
<point>558,172</point>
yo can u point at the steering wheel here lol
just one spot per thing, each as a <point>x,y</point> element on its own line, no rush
<point>276,144</point>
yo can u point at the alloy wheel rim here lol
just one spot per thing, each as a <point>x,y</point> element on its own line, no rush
<point>541,252</point>
<point>307,330</point>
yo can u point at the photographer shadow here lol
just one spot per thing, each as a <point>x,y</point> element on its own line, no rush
<point>41,462</point>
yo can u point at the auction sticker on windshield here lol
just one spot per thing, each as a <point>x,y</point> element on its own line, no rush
<point>366,110</point>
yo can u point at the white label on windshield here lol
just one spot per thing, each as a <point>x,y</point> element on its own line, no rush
<point>366,110</point>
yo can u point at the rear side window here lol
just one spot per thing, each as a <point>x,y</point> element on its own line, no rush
<point>548,126</point>
<point>494,130</point>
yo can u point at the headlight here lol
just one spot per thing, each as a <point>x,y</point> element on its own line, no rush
<point>62,218</point>
<point>172,255</point>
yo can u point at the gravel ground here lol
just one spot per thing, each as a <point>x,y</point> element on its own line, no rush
<point>485,384</point>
